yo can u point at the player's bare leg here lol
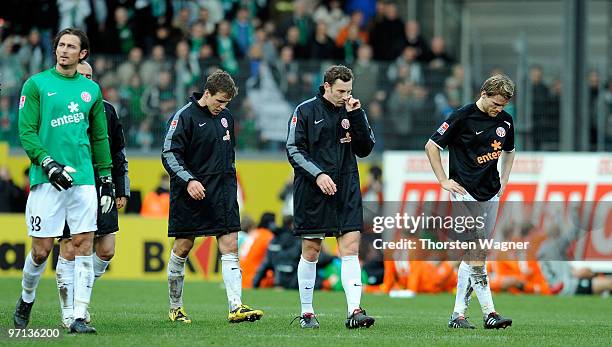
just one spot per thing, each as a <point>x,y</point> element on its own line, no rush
<point>176,277</point>
<point>232,277</point>
<point>83,280</point>
<point>34,266</point>
<point>348,245</point>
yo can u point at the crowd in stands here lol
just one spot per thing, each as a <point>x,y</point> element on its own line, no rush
<point>149,55</point>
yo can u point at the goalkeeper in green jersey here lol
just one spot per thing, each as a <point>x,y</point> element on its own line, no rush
<point>62,125</point>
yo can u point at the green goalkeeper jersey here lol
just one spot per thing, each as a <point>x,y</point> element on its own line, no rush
<point>63,117</point>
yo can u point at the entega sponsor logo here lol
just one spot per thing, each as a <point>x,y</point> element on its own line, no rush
<point>75,117</point>
<point>491,155</point>
<point>69,118</point>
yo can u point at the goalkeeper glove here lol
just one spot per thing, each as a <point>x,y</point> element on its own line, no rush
<point>107,194</point>
<point>59,175</point>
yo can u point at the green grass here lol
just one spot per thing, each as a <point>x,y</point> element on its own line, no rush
<point>135,313</point>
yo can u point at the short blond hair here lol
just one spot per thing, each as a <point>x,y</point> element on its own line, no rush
<point>499,84</point>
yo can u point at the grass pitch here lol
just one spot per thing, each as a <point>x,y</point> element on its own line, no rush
<point>136,313</point>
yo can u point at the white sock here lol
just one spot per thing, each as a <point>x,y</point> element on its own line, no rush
<point>480,283</point>
<point>31,277</point>
<point>350,274</point>
<point>99,266</point>
<point>307,275</point>
<point>176,278</point>
<point>232,277</point>
<point>464,290</point>
<point>83,284</point>
<point>64,276</point>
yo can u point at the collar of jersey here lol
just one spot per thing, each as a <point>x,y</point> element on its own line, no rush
<point>56,73</point>
<point>197,96</point>
<point>326,102</point>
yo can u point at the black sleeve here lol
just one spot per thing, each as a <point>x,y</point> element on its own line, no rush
<point>120,163</point>
<point>362,135</point>
<point>509,143</point>
<point>447,130</point>
<point>176,142</point>
<point>297,146</point>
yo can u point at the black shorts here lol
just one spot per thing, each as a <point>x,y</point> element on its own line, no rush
<point>202,233</point>
<point>585,287</point>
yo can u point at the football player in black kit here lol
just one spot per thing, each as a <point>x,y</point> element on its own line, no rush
<point>477,136</point>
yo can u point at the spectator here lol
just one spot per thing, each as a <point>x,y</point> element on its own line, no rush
<point>8,121</point>
<point>439,65</point>
<point>243,31</point>
<point>595,85</point>
<point>10,67</point>
<point>157,203</point>
<point>247,135</point>
<point>449,100</point>
<point>268,49</point>
<point>155,63</point>
<point>207,61</point>
<point>301,20</point>
<point>120,37</point>
<point>226,48</point>
<point>369,8</point>
<point>253,249</point>
<point>322,46</point>
<point>282,258</point>
<point>355,24</point>
<point>197,38</point>
<point>300,51</point>
<point>330,12</point>
<point>438,56</point>
<point>11,196</point>
<point>144,137</point>
<point>214,12</point>
<point>387,36</point>
<point>107,75</point>
<point>351,45</point>
<point>131,95</point>
<point>167,37</point>
<point>182,21</point>
<point>401,114</point>
<point>204,19</point>
<point>129,68</point>
<point>158,101</point>
<point>287,74</point>
<point>415,40</point>
<point>367,72</point>
<point>406,68</point>
<point>32,54</point>
<point>186,69</point>
<point>540,96</point>
<point>72,13</point>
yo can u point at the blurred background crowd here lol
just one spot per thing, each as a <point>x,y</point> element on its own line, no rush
<point>149,55</point>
